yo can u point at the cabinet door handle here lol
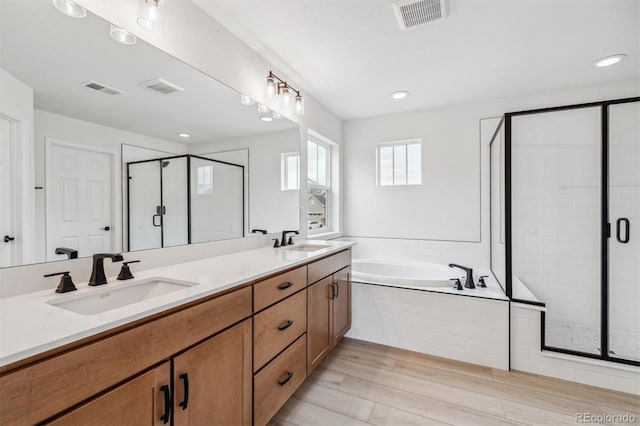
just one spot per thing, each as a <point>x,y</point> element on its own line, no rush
<point>284,379</point>
<point>285,325</point>
<point>185,381</point>
<point>167,404</point>
<point>619,223</point>
<point>285,286</point>
<point>337,288</point>
<point>332,291</point>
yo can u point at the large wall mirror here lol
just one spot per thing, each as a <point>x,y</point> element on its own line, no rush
<point>109,147</point>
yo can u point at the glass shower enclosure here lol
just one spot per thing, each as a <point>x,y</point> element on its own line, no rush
<point>183,200</point>
<point>569,201</point>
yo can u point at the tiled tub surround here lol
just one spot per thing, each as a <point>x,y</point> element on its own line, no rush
<point>470,329</point>
<point>31,326</point>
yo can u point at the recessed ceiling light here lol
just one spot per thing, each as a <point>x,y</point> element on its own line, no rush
<point>266,118</point>
<point>400,94</point>
<point>70,8</point>
<point>609,60</point>
<point>184,135</point>
<point>122,36</point>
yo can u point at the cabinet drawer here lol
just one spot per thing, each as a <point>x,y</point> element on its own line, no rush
<point>271,290</point>
<point>275,328</point>
<point>278,381</point>
<point>43,389</point>
<point>327,266</point>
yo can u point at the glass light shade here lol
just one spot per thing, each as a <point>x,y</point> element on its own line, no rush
<point>150,14</point>
<point>263,108</point>
<point>299,105</point>
<point>70,8</point>
<point>122,36</point>
<point>276,115</point>
<point>286,100</point>
<point>246,100</point>
<point>271,87</point>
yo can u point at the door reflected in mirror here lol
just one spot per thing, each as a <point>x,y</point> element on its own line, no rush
<point>106,147</point>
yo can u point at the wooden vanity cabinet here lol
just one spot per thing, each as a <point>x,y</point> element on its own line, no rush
<point>212,381</point>
<point>144,400</point>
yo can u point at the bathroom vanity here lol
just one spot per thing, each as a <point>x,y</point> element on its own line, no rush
<point>230,349</point>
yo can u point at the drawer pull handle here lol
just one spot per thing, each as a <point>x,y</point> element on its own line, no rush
<point>185,381</point>
<point>283,381</point>
<point>337,288</point>
<point>285,286</point>
<point>285,325</point>
<point>167,404</point>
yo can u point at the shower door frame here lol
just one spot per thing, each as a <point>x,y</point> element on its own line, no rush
<point>605,225</point>
<point>188,171</point>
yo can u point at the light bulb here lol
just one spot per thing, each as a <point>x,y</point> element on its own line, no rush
<point>276,115</point>
<point>263,108</point>
<point>150,14</point>
<point>70,8</point>
<point>271,86</point>
<point>299,105</point>
<point>246,100</point>
<point>122,36</point>
<point>286,97</point>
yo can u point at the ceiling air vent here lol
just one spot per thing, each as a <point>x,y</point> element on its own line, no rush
<point>161,86</point>
<point>412,13</point>
<point>102,88</point>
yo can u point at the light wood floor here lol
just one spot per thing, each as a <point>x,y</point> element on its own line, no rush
<point>365,383</point>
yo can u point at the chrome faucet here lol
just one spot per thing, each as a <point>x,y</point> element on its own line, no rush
<point>284,241</point>
<point>97,273</point>
<point>469,282</point>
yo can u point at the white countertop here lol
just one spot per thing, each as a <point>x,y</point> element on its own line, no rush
<point>29,325</point>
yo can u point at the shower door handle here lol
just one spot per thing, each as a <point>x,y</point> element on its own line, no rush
<point>627,230</point>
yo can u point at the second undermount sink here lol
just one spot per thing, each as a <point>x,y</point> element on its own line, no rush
<point>116,295</point>
<point>308,247</point>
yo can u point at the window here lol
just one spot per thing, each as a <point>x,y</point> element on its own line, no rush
<point>400,163</point>
<point>205,180</point>
<point>319,185</point>
<point>290,176</point>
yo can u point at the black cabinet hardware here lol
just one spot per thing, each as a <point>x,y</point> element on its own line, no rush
<point>285,325</point>
<point>627,230</point>
<point>285,286</point>
<point>185,381</point>
<point>167,404</point>
<point>337,293</point>
<point>332,291</point>
<point>284,379</point>
<point>8,239</point>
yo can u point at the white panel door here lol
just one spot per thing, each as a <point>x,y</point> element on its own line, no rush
<point>7,249</point>
<point>79,201</point>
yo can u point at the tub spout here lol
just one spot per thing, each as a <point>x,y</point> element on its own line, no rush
<point>469,271</point>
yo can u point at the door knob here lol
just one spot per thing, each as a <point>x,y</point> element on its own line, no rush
<point>107,228</point>
<point>8,239</point>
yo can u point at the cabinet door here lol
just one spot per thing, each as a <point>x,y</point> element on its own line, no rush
<point>213,380</point>
<point>140,401</point>
<point>319,317</point>
<point>341,305</point>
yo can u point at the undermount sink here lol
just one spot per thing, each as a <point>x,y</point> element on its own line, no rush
<point>308,247</point>
<point>116,295</point>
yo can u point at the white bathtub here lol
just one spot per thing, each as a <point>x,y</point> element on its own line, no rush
<point>406,273</point>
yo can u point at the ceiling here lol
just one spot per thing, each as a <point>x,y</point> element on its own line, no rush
<point>351,54</point>
<point>54,54</point>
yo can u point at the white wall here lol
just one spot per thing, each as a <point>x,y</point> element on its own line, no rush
<point>91,135</point>
<point>456,128</point>
<point>269,207</point>
<point>16,105</point>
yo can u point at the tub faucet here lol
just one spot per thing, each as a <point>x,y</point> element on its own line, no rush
<point>97,274</point>
<point>469,282</point>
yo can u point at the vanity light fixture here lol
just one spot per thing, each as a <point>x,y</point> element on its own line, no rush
<point>122,36</point>
<point>70,8</point>
<point>246,100</point>
<point>290,98</point>
<point>266,118</point>
<point>276,115</point>
<point>184,135</point>
<point>400,94</point>
<point>263,109</point>
<point>150,14</point>
<point>609,60</point>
